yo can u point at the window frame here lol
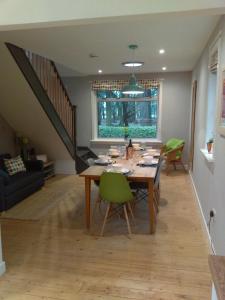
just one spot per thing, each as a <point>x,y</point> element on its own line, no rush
<point>94,109</point>
<point>214,47</point>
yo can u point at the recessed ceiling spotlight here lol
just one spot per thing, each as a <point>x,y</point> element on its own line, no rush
<point>161,51</point>
<point>132,64</point>
<point>100,71</point>
<point>164,68</point>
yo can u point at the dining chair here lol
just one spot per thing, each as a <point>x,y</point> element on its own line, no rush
<point>91,162</point>
<point>142,187</point>
<point>172,152</point>
<point>157,182</point>
<point>114,189</point>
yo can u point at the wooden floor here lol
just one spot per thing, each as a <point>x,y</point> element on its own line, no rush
<point>52,259</point>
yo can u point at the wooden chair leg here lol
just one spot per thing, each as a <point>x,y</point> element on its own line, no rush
<point>131,211</point>
<point>105,218</point>
<point>127,219</point>
<point>174,165</point>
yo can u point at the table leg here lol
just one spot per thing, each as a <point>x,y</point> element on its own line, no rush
<point>151,206</point>
<point>88,201</point>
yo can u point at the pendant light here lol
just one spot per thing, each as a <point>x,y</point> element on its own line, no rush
<point>133,88</point>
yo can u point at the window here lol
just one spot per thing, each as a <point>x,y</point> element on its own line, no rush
<point>134,117</point>
<point>212,90</point>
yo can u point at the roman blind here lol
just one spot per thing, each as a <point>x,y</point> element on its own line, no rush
<point>117,85</point>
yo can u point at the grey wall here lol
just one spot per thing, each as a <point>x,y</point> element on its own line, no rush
<point>175,104</point>
<point>7,138</point>
<point>209,178</point>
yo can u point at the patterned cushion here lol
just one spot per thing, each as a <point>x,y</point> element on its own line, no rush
<point>14,165</point>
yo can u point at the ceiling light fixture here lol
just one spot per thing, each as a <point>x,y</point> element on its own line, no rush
<point>99,71</point>
<point>161,51</point>
<point>133,88</point>
<point>164,68</point>
<point>133,64</point>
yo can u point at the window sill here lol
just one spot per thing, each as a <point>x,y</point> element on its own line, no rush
<point>208,156</point>
<point>122,141</point>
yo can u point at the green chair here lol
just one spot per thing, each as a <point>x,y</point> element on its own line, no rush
<point>172,152</point>
<point>114,189</point>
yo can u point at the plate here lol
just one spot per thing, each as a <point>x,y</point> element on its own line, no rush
<point>145,163</point>
<point>103,162</point>
<point>118,170</point>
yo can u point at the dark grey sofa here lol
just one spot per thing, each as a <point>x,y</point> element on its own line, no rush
<point>15,188</point>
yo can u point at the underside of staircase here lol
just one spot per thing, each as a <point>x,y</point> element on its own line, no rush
<point>35,103</point>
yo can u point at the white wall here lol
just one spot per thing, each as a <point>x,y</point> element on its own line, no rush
<point>209,178</point>
<point>7,138</point>
<point>175,104</point>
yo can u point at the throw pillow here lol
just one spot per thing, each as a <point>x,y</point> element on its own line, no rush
<point>5,176</point>
<point>14,165</point>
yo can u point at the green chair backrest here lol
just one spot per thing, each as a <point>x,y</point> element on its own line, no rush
<point>114,188</point>
<point>173,144</point>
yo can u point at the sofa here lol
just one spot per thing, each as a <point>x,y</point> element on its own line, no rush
<point>15,188</point>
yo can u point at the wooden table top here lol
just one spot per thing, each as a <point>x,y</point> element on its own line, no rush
<point>138,174</point>
<point>217,268</point>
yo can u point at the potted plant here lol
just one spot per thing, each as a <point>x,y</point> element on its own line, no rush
<point>209,145</point>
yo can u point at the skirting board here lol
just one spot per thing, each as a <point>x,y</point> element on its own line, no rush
<point>2,268</point>
<point>204,223</point>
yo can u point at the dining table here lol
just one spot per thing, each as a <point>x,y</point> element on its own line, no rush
<point>138,173</point>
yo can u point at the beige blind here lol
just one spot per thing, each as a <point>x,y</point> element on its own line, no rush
<point>117,85</point>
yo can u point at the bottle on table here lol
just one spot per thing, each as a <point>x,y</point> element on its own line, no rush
<point>129,150</point>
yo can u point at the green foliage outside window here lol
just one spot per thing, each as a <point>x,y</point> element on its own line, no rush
<point>133,132</point>
<point>127,117</point>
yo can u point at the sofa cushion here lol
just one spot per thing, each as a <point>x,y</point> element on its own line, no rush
<point>14,165</point>
<point>5,176</point>
<point>21,180</point>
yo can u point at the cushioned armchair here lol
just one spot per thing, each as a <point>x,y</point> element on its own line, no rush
<point>15,188</point>
<point>172,152</point>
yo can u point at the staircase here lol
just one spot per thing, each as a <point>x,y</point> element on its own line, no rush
<point>45,81</point>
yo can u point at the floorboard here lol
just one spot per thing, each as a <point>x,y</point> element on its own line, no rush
<point>56,258</point>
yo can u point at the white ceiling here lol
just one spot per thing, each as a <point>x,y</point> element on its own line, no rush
<point>183,38</point>
<point>42,13</point>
